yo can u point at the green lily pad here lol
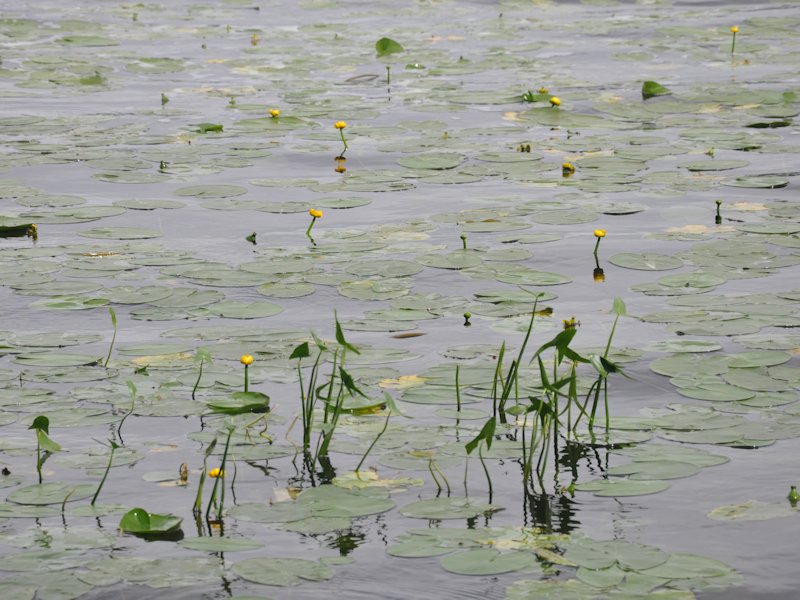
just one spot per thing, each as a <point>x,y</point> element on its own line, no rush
<point>622,488</point>
<point>120,233</point>
<point>751,510</point>
<point>448,508</point>
<point>655,470</point>
<point>333,501</point>
<point>453,260</point>
<point>278,512</point>
<point>231,309</point>
<point>714,165</point>
<point>139,521</point>
<point>211,191</point>
<point>757,182</point>
<point>42,494</point>
<point>220,544</point>
<point>645,262</point>
<point>281,571</point>
<point>688,566</point>
<point>240,403</point>
<point>486,561</point>
<point>432,160</point>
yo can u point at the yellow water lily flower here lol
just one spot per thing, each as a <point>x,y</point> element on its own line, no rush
<point>216,472</point>
<point>599,275</point>
<point>274,113</point>
<point>246,360</point>
<point>555,101</point>
<point>543,90</point>
<point>599,233</point>
<point>571,323</point>
<point>734,31</point>
<point>340,124</point>
<point>567,168</point>
<point>317,214</point>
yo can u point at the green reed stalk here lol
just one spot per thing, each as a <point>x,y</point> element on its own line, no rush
<point>113,337</point>
<point>114,446</point>
<point>375,441</point>
<point>212,501</point>
<point>485,469</point>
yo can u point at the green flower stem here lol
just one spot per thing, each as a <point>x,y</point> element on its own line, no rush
<point>733,42</point>
<point>344,141</point>
<point>199,376</point>
<point>458,392</point>
<point>113,337</point>
<point>596,246</point>
<point>375,441</point>
<point>485,469</point>
<point>308,231</point>
<point>246,378</point>
<point>108,468</point>
<point>212,501</point>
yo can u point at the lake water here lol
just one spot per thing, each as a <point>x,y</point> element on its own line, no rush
<point>137,138</point>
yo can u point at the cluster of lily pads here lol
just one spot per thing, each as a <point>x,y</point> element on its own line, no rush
<point>470,192</point>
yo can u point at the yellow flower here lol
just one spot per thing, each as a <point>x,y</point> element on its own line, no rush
<point>340,124</point>
<point>567,168</point>
<point>599,233</point>
<point>571,323</point>
<point>555,101</point>
<point>274,113</point>
<point>735,29</point>
<point>317,214</point>
<point>246,360</point>
<point>216,472</point>
<point>543,90</point>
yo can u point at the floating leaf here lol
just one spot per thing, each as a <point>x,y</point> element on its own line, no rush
<point>448,508</point>
<point>651,89</point>
<point>139,521</point>
<point>386,46</point>
<point>281,571</point>
<point>485,561</point>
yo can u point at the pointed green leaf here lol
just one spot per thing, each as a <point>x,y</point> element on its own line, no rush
<point>300,352</point>
<point>41,423</point>
<point>46,443</point>
<point>486,433</point>
<point>619,307</point>
<point>653,88</point>
<point>386,46</point>
<point>348,382</point>
<point>340,336</point>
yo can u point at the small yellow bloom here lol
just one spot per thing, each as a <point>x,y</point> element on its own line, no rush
<point>571,323</point>
<point>735,29</point>
<point>567,168</point>
<point>255,39</point>
<point>317,214</point>
<point>246,360</point>
<point>543,90</point>
<point>274,113</point>
<point>216,472</point>
<point>555,101</point>
<point>340,124</point>
<point>599,233</point>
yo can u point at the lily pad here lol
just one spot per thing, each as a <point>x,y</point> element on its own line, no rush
<point>139,521</point>
<point>486,561</point>
<point>448,508</point>
<point>281,571</point>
